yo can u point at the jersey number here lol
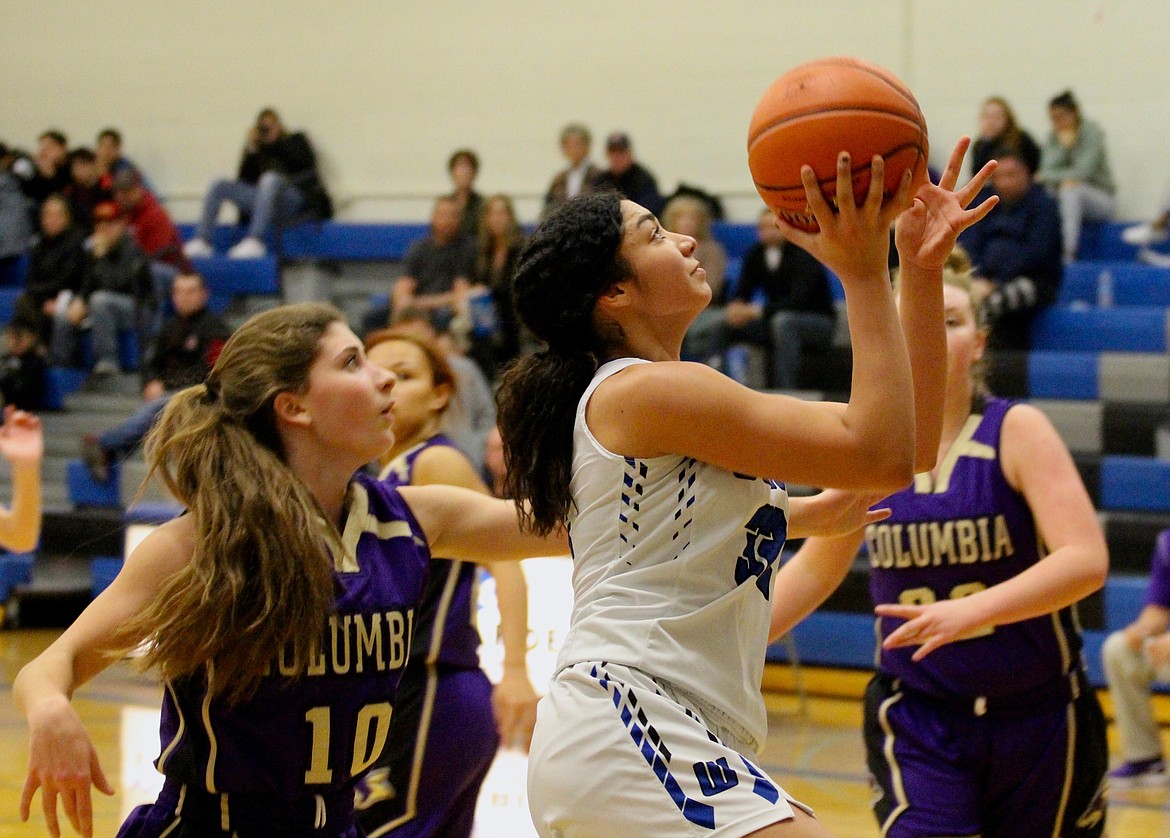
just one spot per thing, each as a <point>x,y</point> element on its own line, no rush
<point>364,752</point>
<point>925,596</point>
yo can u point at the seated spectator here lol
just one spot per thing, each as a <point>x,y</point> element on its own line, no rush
<point>495,332</point>
<point>1015,253</point>
<point>691,216</point>
<point>436,272</point>
<point>15,225</point>
<point>85,189</point>
<point>116,295</point>
<point>111,161</point>
<point>56,267</point>
<point>1075,167</point>
<point>277,181</point>
<point>22,367</point>
<point>580,178</point>
<point>1134,658</point>
<point>463,168</point>
<point>182,355</point>
<point>155,233</point>
<point>782,303</point>
<point>627,176</point>
<point>49,172</point>
<point>473,409</point>
<point>998,129</point>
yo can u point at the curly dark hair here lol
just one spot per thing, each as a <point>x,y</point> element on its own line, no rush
<point>569,261</point>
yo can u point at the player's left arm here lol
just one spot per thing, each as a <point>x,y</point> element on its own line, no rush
<point>1037,463</point>
<point>462,524</point>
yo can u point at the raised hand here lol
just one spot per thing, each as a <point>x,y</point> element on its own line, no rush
<point>925,234</point>
<point>853,241</point>
<point>21,437</point>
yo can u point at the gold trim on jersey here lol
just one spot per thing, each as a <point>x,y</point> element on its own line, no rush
<point>891,760</point>
<point>169,749</point>
<point>1069,764</point>
<point>410,810</point>
<point>209,775</point>
<point>359,521</point>
<point>963,446</point>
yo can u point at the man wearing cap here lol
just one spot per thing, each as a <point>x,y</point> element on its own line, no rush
<point>627,176</point>
<point>1016,251</point>
<point>116,294</point>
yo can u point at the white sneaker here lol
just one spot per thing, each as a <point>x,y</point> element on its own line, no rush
<point>1142,234</point>
<point>197,249</point>
<point>1152,257</point>
<point>249,248</point>
<point>106,367</point>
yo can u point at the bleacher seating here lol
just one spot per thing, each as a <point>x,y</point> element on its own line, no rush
<point>1101,374</point>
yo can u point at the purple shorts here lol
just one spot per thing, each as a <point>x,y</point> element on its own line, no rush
<point>942,768</point>
<point>442,741</point>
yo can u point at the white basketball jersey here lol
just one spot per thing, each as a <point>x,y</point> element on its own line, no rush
<point>672,569</point>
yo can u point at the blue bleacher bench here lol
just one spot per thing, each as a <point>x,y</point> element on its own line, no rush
<point>1129,482</point>
<point>85,491</point>
<point>1134,283</point>
<point>1121,329</point>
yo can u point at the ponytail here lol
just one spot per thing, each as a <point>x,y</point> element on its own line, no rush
<point>537,409</point>
<point>567,263</point>
<point>259,584</point>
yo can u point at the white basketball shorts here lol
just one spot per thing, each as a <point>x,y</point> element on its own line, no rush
<point>615,754</point>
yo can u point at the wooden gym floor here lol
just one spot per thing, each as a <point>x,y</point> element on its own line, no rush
<point>815,753</point>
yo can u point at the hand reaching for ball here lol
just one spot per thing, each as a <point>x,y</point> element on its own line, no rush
<point>925,234</point>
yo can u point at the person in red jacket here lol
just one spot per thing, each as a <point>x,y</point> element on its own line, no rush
<point>156,234</point>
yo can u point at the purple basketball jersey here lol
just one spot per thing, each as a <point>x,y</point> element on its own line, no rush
<point>953,534</point>
<point>308,733</point>
<point>450,588</point>
<point>1158,589</point>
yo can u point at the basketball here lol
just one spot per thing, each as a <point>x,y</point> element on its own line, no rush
<point>817,110</point>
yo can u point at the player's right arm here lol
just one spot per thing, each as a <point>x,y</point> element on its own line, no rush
<point>62,760</point>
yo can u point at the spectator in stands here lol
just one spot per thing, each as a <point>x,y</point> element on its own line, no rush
<point>782,303</point>
<point>1134,658</point>
<point>473,409</point>
<point>691,216</point>
<point>22,367</point>
<point>277,181</point>
<point>1016,252</point>
<point>116,295</point>
<point>495,333</point>
<point>436,272</point>
<point>84,189</point>
<point>56,267</point>
<point>627,176</point>
<point>155,233</point>
<point>111,161</point>
<point>49,172</point>
<point>463,168</point>
<point>998,129</point>
<point>182,355</point>
<point>1075,167</point>
<point>580,178</point>
<point>15,225</point>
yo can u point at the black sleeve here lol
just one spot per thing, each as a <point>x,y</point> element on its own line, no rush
<point>252,166</point>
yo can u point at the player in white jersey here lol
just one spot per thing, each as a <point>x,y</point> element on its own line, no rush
<point>664,472</point>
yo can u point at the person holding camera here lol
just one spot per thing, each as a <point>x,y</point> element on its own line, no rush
<point>277,180</point>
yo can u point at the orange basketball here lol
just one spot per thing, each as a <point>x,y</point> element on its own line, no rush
<point>817,110</point>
